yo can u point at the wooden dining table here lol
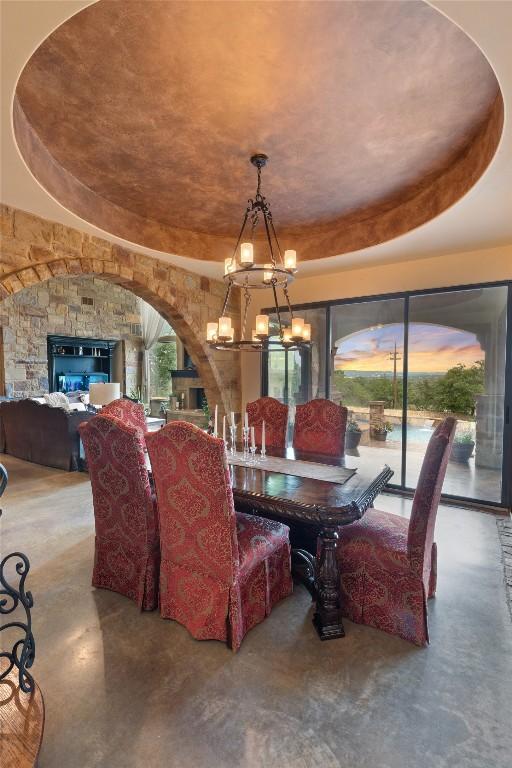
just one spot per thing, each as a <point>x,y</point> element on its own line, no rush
<point>314,509</point>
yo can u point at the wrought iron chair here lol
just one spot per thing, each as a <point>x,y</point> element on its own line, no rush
<point>23,652</point>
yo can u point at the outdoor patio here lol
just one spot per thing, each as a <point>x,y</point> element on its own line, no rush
<point>465,480</point>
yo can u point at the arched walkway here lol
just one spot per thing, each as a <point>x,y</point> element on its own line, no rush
<point>34,250</point>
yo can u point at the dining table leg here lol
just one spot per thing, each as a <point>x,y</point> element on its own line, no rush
<point>327,617</point>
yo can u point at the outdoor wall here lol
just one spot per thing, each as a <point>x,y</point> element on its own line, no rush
<point>34,250</point>
<point>56,307</point>
<point>468,268</point>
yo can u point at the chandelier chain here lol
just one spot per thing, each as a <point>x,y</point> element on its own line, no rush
<point>247,297</point>
<point>290,310</point>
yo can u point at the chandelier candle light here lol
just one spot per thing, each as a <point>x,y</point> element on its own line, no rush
<point>278,271</point>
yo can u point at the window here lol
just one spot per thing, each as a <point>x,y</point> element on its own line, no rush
<point>163,360</point>
<point>457,351</point>
<point>402,363</point>
<point>367,377</point>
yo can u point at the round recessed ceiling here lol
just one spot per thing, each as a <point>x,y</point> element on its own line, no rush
<point>140,117</point>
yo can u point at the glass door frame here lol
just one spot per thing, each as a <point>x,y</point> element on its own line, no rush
<point>506,480</point>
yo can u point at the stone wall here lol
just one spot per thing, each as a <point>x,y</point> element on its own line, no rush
<point>56,307</point>
<point>34,250</point>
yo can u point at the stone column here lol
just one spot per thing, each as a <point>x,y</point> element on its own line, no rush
<point>489,405</point>
<point>376,415</point>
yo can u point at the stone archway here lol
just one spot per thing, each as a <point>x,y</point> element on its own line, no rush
<point>34,250</point>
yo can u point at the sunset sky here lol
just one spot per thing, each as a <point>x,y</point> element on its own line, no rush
<point>432,349</point>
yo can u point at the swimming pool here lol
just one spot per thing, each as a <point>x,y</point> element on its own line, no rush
<point>414,434</point>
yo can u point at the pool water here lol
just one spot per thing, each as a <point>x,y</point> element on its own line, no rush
<point>414,434</point>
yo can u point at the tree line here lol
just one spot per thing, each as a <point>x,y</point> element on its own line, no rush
<point>454,391</point>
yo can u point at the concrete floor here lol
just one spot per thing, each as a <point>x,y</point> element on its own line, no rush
<point>124,689</point>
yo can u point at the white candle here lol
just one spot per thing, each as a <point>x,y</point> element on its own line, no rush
<point>306,332</point>
<point>297,327</point>
<point>290,259</point>
<point>225,329</point>
<point>262,325</point>
<point>215,421</point>
<point>232,418</point>
<point>211,331</point>
<point>224,428</point>
<point>263,437</point>
<point>253,441</point>
<point>246,253</point>
<point>246,420</point>
<point>229,265</point>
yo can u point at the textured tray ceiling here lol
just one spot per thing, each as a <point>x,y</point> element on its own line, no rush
<point>140,117</point>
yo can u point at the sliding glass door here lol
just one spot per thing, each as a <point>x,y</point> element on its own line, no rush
<point>367,353</point>
<point>456,365</point>
<point>400,364</point>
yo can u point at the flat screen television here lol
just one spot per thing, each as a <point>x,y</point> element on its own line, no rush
<point>78,382</point>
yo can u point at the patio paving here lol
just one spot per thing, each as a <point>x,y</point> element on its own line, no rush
<point>465,480</point>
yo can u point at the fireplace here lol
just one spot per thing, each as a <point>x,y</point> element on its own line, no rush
<point>195,398</point>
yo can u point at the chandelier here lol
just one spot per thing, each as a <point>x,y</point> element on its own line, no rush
<point>276,273</point>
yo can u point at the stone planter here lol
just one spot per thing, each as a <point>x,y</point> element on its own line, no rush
<point>462,452</point>
<point>352,439</point>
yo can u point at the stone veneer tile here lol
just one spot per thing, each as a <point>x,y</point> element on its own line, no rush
<point>34,249</point>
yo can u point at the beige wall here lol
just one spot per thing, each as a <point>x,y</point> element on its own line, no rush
<point>453,269</point>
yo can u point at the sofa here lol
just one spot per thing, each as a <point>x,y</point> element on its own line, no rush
<point>40,433</point>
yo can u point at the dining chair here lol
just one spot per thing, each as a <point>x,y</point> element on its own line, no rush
<point>127,551</point>
<point>275,416</point>
<point>127,411</point>
<point>221,571</point>
<point>388,564</point>
<point>320,428</point>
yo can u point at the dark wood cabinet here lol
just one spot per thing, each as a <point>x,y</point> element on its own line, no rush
<point>74,362</point>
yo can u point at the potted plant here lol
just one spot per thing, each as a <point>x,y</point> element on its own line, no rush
<point>463,445</point>
<point>380,432</point>
<point>353,434</point>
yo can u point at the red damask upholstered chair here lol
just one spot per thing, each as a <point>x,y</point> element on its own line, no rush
<point>388,564</point>
<point>320,428</point>
<point>127,411</point>
<point>275,416</point>
<point>221,571</point>
<point>127,550</point>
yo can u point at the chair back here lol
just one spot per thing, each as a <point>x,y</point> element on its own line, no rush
<point>127,411</point>
<point>426,498</point>
<point>123,506</point>
<point>275,416</point>
<point>320,428</point>
<point>195,501</point>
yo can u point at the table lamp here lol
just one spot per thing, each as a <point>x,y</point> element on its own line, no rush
<point>104,393</point>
